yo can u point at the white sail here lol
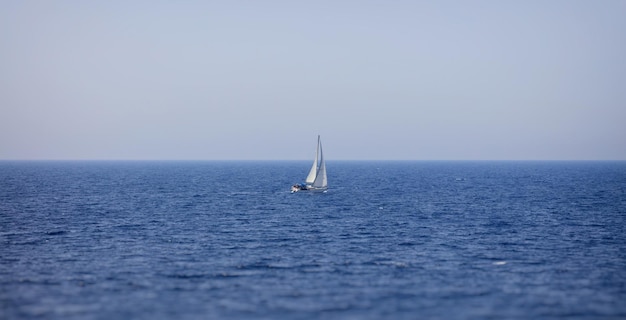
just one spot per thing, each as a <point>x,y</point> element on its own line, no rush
<point>310,179</point>
<point>321,181</point>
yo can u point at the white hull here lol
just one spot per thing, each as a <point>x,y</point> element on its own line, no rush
<point>298,188</point>
<point>315,189</point>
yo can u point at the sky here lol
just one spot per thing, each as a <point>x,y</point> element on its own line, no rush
<point>259,80</point>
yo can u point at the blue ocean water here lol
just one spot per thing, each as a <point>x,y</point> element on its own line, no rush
<point>389,240</point>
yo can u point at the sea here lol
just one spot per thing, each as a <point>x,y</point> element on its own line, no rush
<point>388,240</point>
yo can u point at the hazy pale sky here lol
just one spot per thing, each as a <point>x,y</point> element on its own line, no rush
<point>261,79</point>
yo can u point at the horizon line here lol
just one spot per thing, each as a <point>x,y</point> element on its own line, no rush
<point>268,160</point>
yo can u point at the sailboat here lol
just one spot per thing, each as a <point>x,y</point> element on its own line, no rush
<point>316,180</point>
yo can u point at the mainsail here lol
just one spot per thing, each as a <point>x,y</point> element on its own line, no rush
<point>317,176</point>
<point>320,180</point>
<point>310,179</point>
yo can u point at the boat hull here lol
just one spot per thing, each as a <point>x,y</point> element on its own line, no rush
<point>298,188</point>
